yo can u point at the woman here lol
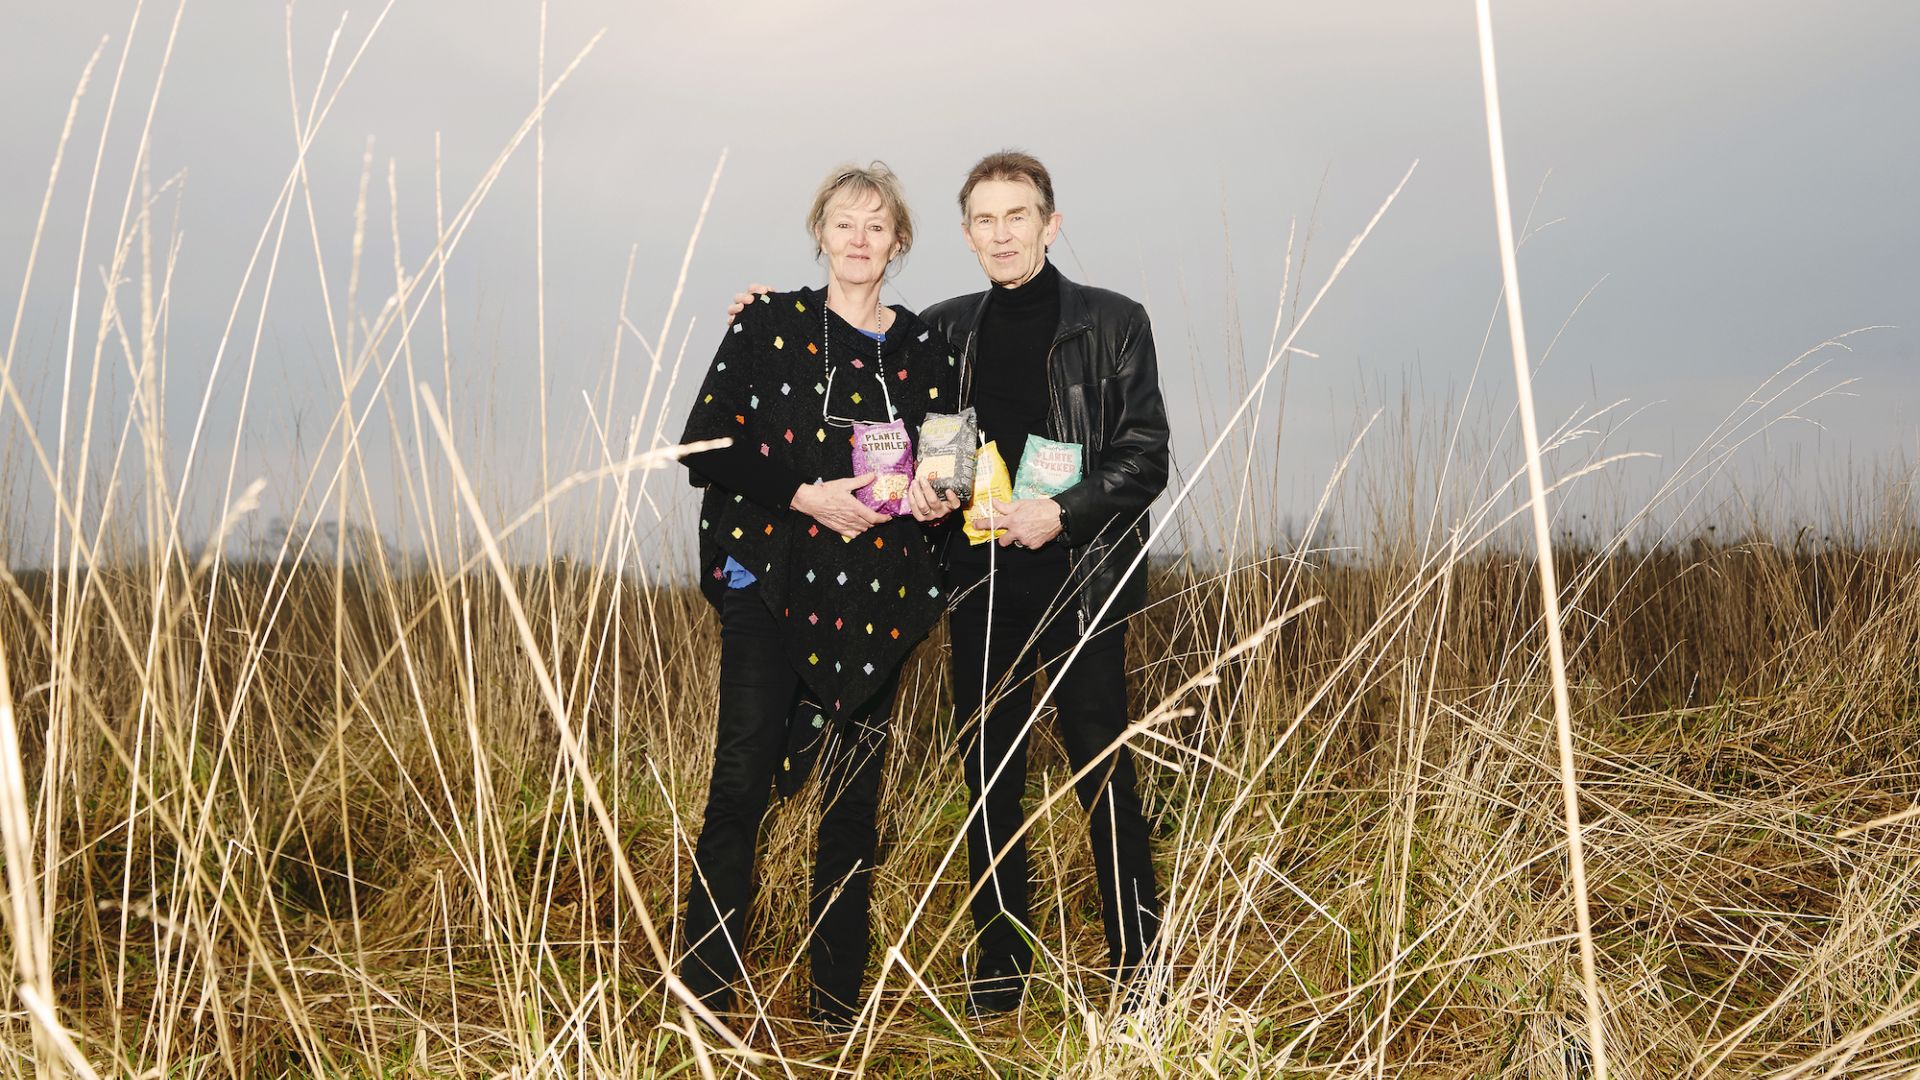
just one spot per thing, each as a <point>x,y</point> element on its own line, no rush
<point>820,598</point>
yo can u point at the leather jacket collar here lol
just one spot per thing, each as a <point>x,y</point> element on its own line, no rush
<point>1076,317</point>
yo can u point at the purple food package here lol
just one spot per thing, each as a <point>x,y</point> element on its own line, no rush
<point>886,451</point>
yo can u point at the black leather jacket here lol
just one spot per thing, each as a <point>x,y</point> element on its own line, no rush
<point>1103,388</point>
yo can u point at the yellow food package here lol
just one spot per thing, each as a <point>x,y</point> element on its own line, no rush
<point>991,483</point>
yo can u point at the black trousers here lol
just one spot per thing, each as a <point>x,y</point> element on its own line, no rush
<point>758,691</point>
<point>990,635</point>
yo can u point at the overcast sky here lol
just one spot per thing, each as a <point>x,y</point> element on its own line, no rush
<point>1732,180</point>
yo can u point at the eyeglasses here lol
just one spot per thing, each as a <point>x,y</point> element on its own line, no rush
<point>826,400</point>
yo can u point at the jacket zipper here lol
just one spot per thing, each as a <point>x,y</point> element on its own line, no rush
<point>966,371</point>
<point>1057,414</point>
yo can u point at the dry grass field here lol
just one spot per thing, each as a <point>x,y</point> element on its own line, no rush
<point>326,820</point>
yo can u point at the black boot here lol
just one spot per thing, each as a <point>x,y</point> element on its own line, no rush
<point>707,985</point>
<point>1133,983</point>
<point>719,1002</point>
<point>831,1013</point>
<point>996,989</point>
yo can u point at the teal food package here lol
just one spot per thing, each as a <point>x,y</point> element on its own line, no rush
<point>948,444</point>
<point>1047,468</point>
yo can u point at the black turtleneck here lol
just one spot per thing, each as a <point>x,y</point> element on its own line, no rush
<point>1010,362</point>
<point>1010,394</point>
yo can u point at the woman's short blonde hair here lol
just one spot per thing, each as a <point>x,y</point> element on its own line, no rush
<point>853,181</point>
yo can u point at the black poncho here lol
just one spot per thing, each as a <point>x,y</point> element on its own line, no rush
<point>852,610</point>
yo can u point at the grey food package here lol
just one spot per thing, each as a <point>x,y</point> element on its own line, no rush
<point>1047,468</point>
<point>947,445</point>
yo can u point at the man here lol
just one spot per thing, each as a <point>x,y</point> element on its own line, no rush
<point>1043,356</point>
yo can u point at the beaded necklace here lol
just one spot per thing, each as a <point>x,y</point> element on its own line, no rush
<point>826,363</point>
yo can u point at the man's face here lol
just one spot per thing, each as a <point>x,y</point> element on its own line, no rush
<point>1007,231</point>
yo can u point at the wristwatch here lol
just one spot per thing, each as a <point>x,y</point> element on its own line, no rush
<point>1065,531</point>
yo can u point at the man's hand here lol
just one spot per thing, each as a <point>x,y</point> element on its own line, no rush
<point>928,507</point>
<point>1029,523</point>
<point>831,503</point>
<point>742,299</point>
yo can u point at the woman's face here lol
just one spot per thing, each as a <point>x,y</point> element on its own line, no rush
<point>858,238</point>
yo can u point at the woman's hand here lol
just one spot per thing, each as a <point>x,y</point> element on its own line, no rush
<point>928,507</point>
<point>831,503</point>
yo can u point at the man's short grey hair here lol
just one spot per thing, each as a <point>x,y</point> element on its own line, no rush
<point>1014,165</point>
